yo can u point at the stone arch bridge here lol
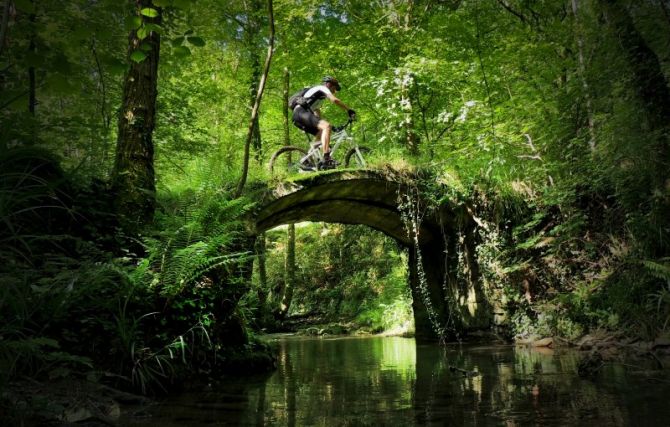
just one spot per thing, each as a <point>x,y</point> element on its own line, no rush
<point>450,300</point>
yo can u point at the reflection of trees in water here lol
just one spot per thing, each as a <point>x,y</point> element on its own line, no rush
<point>356,381</point>
<point>392,381</point>
<point>514,387</point>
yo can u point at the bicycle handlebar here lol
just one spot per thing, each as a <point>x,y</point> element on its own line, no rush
<point>340,128</point>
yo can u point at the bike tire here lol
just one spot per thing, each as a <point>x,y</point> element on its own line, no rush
<point>288,152</point>
<point>352,160</point>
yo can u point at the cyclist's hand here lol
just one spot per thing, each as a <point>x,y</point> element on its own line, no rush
<point>352,114</point>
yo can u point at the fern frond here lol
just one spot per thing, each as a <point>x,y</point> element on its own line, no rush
<point>660,270</point>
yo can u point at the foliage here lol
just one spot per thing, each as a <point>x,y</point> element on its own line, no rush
<point>74,299</point>
<point>532,115</point>
<point>369,288</point>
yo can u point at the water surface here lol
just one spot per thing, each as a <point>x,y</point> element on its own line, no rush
<point>393,381</point>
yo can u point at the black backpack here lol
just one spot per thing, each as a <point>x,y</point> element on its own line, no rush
<point>298,98</point>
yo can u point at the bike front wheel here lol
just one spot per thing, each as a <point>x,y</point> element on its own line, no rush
<point>288,159</point>
<point>355,157</point>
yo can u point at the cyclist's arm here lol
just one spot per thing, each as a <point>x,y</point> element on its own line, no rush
<point>337,102</point>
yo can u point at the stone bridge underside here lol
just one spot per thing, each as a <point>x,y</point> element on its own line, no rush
<point>372,198</point>
<point>348,197</point>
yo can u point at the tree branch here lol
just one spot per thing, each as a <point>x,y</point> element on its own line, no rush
<point>257,102</point>
<point>507,7</point>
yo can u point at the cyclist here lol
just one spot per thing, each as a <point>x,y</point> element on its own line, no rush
<point>307,114</point>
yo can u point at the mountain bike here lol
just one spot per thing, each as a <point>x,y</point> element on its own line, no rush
<point>297,159</point>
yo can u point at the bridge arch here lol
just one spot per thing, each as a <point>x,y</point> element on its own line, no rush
<point>373,198</point>
<point>348,197</point>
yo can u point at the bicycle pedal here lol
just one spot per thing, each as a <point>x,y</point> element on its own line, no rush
<point>325,165</point>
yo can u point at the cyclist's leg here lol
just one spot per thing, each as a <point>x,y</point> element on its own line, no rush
<point>324,129</point>
<point>306,120</point>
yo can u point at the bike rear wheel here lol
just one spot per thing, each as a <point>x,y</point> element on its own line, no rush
<point>355,158</point>
<point>288,159</point>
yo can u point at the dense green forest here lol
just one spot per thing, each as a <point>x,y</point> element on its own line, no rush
<point>135,136</point>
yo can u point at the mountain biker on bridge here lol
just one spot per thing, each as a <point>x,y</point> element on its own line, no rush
<point>306,106</point>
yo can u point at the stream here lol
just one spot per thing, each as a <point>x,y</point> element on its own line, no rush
<point>393,381</point>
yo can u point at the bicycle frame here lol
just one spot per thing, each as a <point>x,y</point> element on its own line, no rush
<point>338,137</point>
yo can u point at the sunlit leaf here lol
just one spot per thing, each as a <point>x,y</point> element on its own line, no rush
<point>149,12</point>
<point>138,56</point>
<point>142,33</point>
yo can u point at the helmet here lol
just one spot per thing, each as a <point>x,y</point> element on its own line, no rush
<point>333,80</point>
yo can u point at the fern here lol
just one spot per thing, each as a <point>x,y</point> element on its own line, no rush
<point>660,270</point>
<point>201,233</point>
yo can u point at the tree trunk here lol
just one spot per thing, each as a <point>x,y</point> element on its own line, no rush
<point>579,35</point>
<point>4,23</point>
<point>649,81</point>
<point>253,26</point>
<point>289,281</point>
<point>133,179</point>
<point>257,103</point>
<point>32,91</point>
<point>287,77</point>
<point>411,137</point>
<point>406,101</point>
<point>262,272</point>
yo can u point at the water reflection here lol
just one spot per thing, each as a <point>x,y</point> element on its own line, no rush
<point>393,381</point>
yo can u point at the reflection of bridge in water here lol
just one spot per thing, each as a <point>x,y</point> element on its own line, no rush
<point>377,199</point>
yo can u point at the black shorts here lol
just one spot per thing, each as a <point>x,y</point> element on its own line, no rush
<point>306,120</point>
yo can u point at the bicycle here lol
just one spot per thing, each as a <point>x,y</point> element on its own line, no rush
<point>312,159</point>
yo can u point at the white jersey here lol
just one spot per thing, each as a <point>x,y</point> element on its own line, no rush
<point>316,95</point>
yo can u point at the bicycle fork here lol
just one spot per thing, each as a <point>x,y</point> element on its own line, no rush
<point>359,157</point>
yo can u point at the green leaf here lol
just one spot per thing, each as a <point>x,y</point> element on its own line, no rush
<point>177,41</point>
<point>196,41</point>
<point>133,22</point>
<point>142,33</point>
<point>153,27</point>
<point>146,47</point>
<point>149,12</point>
<point>182,51</point>
<point>161,3</point>
<point>138,56</point>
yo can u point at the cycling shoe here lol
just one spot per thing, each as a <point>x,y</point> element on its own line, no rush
<point>327,164</point>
